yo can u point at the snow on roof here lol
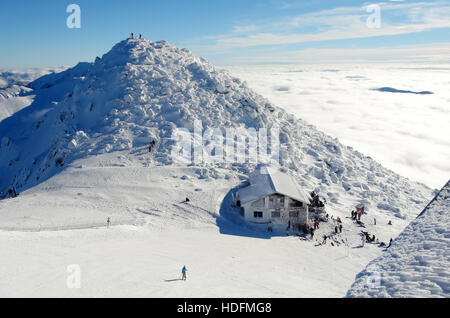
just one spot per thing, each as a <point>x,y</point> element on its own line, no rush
<point>266,182</point>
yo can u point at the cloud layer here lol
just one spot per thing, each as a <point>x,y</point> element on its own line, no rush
<point>407,133</point>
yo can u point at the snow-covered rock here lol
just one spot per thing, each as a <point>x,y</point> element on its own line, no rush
<point>418,262</point>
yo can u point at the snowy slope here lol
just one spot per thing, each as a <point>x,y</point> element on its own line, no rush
<point>153,233</point>
<point>418,262</point>
<point>79,154</point>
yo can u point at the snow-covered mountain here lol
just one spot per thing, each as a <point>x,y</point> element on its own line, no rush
<point>417,264</point>
<point>14,91</point>
<point>12,99</point>
<point>142,90</point>
<point>79,154</point>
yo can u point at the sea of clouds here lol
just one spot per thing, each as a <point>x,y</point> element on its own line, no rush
<point>397,114</point>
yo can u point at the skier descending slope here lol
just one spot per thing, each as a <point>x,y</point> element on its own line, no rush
<point>183,273</point>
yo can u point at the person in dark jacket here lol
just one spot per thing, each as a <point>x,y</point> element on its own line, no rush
<point>10,193</point>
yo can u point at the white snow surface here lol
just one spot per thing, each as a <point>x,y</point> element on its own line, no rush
<point>154,233</point>
<point>418,262</point>
<point>78,154</point>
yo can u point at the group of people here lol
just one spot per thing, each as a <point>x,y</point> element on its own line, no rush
<point>369,239</point>
<point>366,237</point>
<point>132,36</point>
<point>338,228</point>
<point>356,215</point>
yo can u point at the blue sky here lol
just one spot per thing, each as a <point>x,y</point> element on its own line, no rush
<point>227,32</point>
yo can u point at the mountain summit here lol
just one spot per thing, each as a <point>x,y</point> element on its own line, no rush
<point>142,91</point>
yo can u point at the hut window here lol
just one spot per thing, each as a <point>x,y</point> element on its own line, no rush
<point>276,201</point>
<point>295,204</point>
<point>293,214</point>
<point>259,203</point>
<point>258,214</point>
<point>276,214</point>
